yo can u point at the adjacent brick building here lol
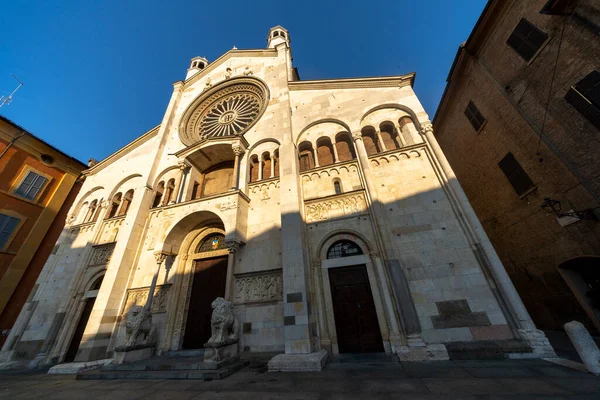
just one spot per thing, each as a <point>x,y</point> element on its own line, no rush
<point>519,122</point>
<point>38,184</point>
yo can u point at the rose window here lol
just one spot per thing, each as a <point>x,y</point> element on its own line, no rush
<point>230,116</point>
<point>225,110</point>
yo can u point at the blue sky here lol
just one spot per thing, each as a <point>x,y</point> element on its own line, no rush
<point>98,74</point>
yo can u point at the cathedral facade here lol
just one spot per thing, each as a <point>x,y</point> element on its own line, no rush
<point>324,210</point>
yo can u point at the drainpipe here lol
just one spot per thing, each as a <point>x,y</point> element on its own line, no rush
<point>23,133</point>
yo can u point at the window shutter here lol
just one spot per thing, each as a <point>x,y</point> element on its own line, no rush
<point>38,183</point>
<point>585,97</point>
<point>526,39</point>
<point>474,116</point>
<point>7,226</point>
<point>590,87</point>
<point>515,174</point>
<point>24,187</point>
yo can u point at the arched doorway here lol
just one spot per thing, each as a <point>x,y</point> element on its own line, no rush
<point>88,305</point>
<point>356,324</point>
<point>208,282</point>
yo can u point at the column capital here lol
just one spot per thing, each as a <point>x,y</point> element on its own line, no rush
<point>232,246</point>
<point>426,128</point>
<point>357,136</point>
<point>104,204</point>
<point>237,148</point>
<point>184,257</point>
<point>160,256</point>
<point>182,165</point>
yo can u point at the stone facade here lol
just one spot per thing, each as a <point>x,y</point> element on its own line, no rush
<point>555,144</point>
<point>253,166</point>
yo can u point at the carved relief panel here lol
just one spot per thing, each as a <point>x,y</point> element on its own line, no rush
<point>258,287</point>
<point>139,296</point>
<point>339,206</point>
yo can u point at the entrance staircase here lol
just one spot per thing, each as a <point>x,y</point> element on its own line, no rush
<point>186,364</point>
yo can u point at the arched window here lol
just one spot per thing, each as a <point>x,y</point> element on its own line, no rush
<point>114,205</point>
<point>337,187</point>
<point>389,136</point>
<point>97,211</point>
<point>306,155</point>
<point>159,193</point>
<point>344,147</point>
<point>325,151</point>
<point>370,140</point>
<point>212,242</point>
<point>169,191</point>
<point>254,168</point>
<point>126,202</point>
<point>97,283</point>
<point>83,212</point>
<point>90,212</point>
<point>343,248</point>
<point>276,163</point>
<point>407,129</point>
<point>266,166</point>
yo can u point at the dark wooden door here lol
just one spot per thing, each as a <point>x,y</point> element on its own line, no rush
<point>83,320</point>
<point>209,283</point>
<point>355,315</point>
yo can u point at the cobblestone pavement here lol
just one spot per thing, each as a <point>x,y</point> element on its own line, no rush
<point>502,379</point>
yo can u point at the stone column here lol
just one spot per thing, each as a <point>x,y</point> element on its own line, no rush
<point>232,247</point>
<point>160,257</point>
<point>380,140</point>
<point>404,301</point>
<point>335,153</point>
<point>260,168</point>
<point>237,152</point>
<point>182,167</point>
<point>272,156</point>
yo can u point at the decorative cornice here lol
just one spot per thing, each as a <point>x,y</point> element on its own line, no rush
<point>122,151</point>
<point>354,83</point>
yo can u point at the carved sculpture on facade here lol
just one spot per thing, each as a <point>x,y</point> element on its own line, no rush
<point>224,329</point>
<point>335,208</point>
<point>257,288</point>
<point>139,296</point>
<point>229,204</point>
<point>140,332</point>
<point>101,254</point>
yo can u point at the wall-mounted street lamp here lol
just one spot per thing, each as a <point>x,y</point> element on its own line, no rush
<point>553,206</point>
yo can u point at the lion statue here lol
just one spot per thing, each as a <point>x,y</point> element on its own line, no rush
<point>224,329</point>
<point>139,323</point>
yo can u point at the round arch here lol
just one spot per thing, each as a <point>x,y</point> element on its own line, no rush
<point>179,230</point>
<point>121,182</point>
<point>395,106</point>
<point>343,234</point>
<point>322,121</point>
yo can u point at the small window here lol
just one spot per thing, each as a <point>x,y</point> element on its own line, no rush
<point>585,97</point>
<point>526,39</point>
<point>212,242</point>
<point>31,185</point>
<point>516,175</point>
<point>474,116</point>
<point>8,225</point>
<point>343,248</point>
<point>337,187</point>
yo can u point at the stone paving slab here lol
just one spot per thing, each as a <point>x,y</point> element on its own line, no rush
<point>524,379</point>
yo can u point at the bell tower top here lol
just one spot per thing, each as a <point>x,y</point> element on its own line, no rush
<point>278,35</point>
<point>197,64</point>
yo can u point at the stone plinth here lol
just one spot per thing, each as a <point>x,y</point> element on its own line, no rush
<point>220,352</point>
<point>124,356</point>
<point>430,352</point>
<point>298,362</point>
<point>77,367</point>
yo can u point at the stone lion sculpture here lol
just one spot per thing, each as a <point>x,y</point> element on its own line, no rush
<point>224,329</point>
<point>140,332</point>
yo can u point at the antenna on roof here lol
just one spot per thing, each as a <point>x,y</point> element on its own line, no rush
<point>8,99</point>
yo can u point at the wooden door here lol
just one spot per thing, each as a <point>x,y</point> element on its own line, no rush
<point>210,276</point>
<point>83,320</point>
<point>355,315</point>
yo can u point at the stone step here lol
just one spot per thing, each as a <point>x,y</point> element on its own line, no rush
<point>369,358</point>
<point>486,349</point>
<point>163,363</point>
<point>196,374</point>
